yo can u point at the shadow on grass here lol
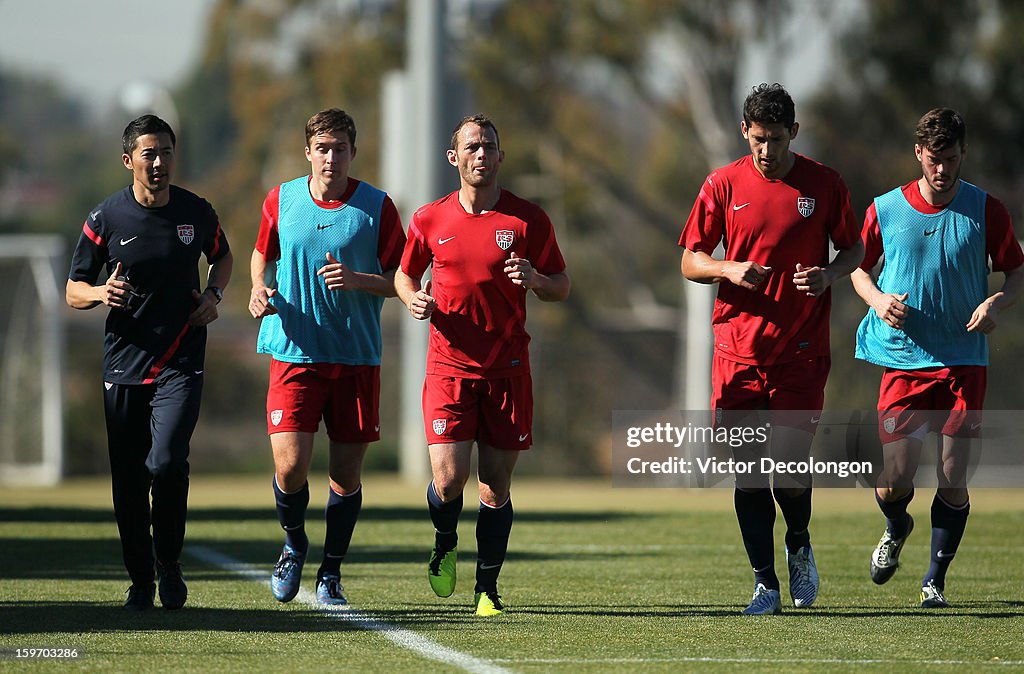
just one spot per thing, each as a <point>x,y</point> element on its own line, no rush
<point>988,609</point>
<point>46,617</point>
<point>235,515</point>
<point>97,559</point>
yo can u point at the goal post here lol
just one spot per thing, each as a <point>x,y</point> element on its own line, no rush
<point>31,360</point>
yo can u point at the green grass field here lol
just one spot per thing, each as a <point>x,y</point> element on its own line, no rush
<point>597,580</point>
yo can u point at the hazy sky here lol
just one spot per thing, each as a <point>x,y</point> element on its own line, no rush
<point>95,48</point>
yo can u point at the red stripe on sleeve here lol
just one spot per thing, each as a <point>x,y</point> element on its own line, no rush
<point>93,236</point>
<point>216,243</point>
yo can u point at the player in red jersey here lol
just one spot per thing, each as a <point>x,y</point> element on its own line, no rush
<point>775,212</point>
<point>487,248</point>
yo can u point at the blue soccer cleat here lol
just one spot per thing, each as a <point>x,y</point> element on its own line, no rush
<point>803,576</point>
<point>330,592</point>
<point>764,602</point>
<point>284,581</point>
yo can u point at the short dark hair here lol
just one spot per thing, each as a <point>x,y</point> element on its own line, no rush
<point>940,129</point>
<point>769,104</point>
<point>480,120</point>
<point>143,126</point>
<point>332,120</point>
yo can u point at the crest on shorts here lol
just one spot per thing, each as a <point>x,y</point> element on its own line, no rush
<point>889,424</point>
<point>186,233</point>
<point>805,205</point>
<point>504,238</point>
<point>439,426</point>
<point>275,416</point>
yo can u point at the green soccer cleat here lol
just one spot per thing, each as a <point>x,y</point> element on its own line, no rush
<point>441,572</point>
<point>931,596</point>
<point>489,604</point>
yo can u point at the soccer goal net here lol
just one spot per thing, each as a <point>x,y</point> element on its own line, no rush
<point>31,355</point>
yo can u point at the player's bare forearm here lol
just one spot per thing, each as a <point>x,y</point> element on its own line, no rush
<point>986,317</point>
<point>553,288</point>
<point>220,272</point>
<point>888,306</point>
<point>82,295</point>
<point>382,285</point>
<point>405,286</point>
<point>259,296</point>
<point>1013,284</point>
<point>845,261</point>
<point>418,301</point>
<point>114,293</point>
<point>257,269</point>
<point>700,267</point>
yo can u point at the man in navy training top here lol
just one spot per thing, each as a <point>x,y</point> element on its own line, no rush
<point>149,237</point>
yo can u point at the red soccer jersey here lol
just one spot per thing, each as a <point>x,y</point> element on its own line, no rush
<point>1000,241</point>
<point>778,224</point>
<point>478,329</point>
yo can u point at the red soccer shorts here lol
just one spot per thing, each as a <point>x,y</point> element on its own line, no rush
<point>797,385</point>
<point>950,396</point>
<point>346,397</point>
<point>497,412</point>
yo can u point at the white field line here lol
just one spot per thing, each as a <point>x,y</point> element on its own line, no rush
<point>397,635</point>
<point>755,661</point>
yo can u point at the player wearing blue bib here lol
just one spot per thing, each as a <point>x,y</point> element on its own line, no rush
<point>928,324</point>
<point>324,261</point>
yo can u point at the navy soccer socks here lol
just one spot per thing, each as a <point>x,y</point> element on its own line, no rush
<point>493,526</point>
<point>948,524</point>
<point>755,511</point>
<point>291,513</point>
<point>797,511</point>
<point>445,517</point>
<point>896,521</point>
<point>341,514</point>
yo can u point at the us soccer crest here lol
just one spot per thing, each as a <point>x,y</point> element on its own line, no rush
<point>805,205</point>
<point>186,233</point>
<point>275,416</point>
<point>439,426</point>
<point>504,238</point>
<point>889,424</point>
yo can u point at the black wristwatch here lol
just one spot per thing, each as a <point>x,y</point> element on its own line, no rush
<point>217,292</point>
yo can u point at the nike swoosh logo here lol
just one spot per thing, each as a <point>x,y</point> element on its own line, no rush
<point>975,427</point>
<point>199,371</point>
<point>944,555</point>
<point>325,226</point>
<point>523,437</point>
<point>484,567</point>
<point>125,242</point>
<point>737,207</point>
<point>815,420</point>
<point>441,242</point>
<point>929,232</point>
<point>376,429</point>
